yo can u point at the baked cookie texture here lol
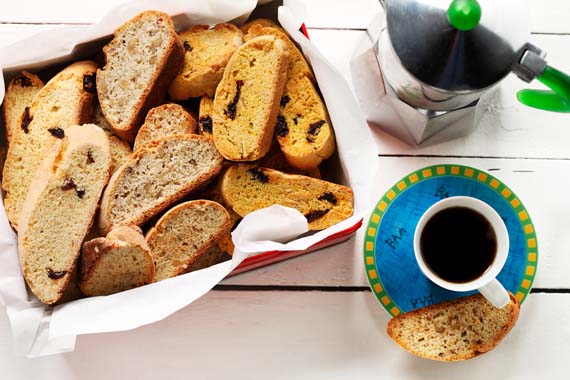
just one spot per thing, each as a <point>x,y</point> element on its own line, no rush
<point>155,177</point>
<point>184,234</point>
<point>247,99</point>
<point>143,58</point>
<point>67,99</point>
<point>206,54</point>
<point>247,188</point>
<point>59,209</point>
<point>455,330</point>
<point>117,262</point>
<point>165,120</point>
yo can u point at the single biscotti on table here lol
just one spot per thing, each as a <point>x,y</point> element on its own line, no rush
<point>247,99</point>
<point>59,209</point>
<point>165,120</point>
<point>184,234</point>
<point>141,61</point>
<point>67,99</point>
<point>207,52</point>
<point>205,116</point>
<point>455,330</point>
<point>156,176</point>
<point>117,262</point>
<point>120,149</point>
<point>19,95</point>
<point>247,188</point>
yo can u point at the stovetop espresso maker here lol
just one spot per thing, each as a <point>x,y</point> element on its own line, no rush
<point>437,58</point>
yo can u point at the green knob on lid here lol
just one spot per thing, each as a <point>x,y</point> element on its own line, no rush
<point>464,14</point>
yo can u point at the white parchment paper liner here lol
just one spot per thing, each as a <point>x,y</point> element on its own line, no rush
<point>38,330</point>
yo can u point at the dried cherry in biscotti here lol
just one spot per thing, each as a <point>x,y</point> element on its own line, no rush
<point>284,100</point>
<point>54,275</point>
<point>26,119</point>
<point>67,184</point>
<point>316,214</point>
<point>187,46</point>
<point>314,129</point>
<point>259,175</point>
<point>80,192</point>
<point>89,83</point>
<point>23,81</point>
<point>281,128</point>
<point>57,132</point>
<point>329,197</point>
<point>231,111</point>
<point>206,123</point>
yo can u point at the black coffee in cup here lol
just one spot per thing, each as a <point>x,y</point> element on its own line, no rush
<point>458,244</point>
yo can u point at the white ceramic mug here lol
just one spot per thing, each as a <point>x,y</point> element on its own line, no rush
<point>487,283</point>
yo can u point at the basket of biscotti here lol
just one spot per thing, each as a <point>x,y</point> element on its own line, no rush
<point>128,167</point>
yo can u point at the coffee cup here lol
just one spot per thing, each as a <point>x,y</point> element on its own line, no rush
<point>461,244</point>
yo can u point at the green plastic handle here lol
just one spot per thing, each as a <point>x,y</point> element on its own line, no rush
<point>464,14</point>
<point>556,100</point>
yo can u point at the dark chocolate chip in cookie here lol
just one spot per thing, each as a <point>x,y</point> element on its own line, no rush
<point>54,275</point>
<point>259,175</point>
<point>26,119</point>
<point>281,128</point>
<point>57,132</point>
<point>315,214</point>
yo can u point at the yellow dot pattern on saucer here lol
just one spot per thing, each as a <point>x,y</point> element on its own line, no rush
<point>446,170</point>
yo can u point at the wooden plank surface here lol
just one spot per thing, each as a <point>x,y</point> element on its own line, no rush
<point>296,335</point>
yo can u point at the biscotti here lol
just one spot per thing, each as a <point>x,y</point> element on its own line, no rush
<point>165,120</point>
<point>141,61</point>
<point>303,130</point>
<point>156,176</point>
<point>247,188</point>
<point>19,95</point>
<point>455,330</point>
<point>298,66</point>
<point>59,209</point>
<point>247,99</point>
<point>120,149</point>
<point>207,52</point>
<point>184,234</point>
<point>205,116</point>
<point>67,99</point>
<point>117,262</point>
<point>259,21</point>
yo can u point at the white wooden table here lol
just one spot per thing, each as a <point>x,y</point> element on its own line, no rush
<point>313,316</point>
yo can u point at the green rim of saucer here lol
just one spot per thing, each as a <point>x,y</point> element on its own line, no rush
<point>430,172</point>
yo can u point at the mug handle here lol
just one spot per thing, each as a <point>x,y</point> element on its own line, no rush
<point>495,293</point>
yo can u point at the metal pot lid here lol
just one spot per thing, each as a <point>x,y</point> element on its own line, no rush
<point>427,38</point>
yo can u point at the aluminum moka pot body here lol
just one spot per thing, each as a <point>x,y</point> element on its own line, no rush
<point>435,74</point>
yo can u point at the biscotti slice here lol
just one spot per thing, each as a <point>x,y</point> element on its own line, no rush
<point>67,99</point>
<point>205,116</point>
<point>120,149</point>
<point>184,234</point>
<point>156,176</point>
<point>117,262</point>
<point>303,128</point>
<point>207,52</point>
<point>165,120</point>
<point>247,188</point>
<point>455,330</point>
<point>141,61</point>
<point>19,95</point>
<point>59,209</point>
<point>261,21</point>
<point>298,66</point>
<point>247,99</point>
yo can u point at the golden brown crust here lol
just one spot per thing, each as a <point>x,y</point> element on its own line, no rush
<point>63,101</point>
<point>177,241</point>
<point>207,52</point>
<point>19,94</point>
<point>245,112</point>
<point>110,216</point>
<point>165,71</point>
<point>453,350</point>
